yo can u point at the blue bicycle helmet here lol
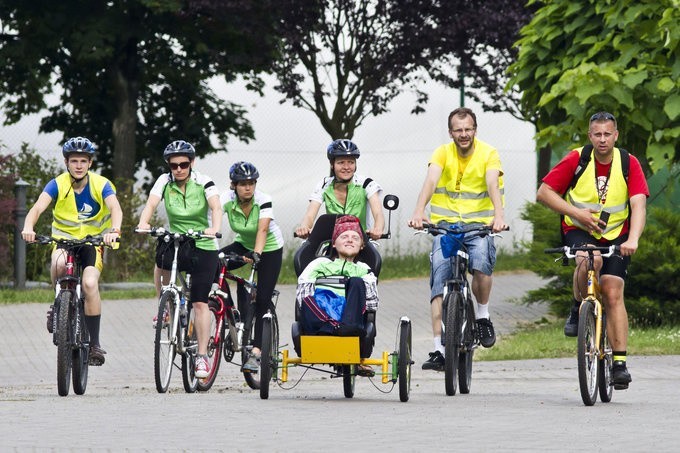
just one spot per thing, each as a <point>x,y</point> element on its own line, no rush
<point>179,148</point>
<point>342,147</point>
<point>79,145</point>
<point>243,171</point>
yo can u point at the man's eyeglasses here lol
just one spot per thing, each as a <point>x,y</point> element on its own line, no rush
<point>468,130</point>
<point>183,165</point>
<point>602,116</point>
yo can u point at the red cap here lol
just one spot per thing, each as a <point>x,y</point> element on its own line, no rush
<point>345,223</point>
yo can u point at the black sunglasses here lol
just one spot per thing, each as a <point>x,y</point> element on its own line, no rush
<point>602,116</point>
<point>183,165</point>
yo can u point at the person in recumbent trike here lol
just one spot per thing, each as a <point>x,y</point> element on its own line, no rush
<point>337,291</point>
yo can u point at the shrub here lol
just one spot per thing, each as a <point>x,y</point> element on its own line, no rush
<point>652,286</point>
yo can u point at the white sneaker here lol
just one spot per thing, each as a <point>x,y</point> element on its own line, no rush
<point>202,369</point>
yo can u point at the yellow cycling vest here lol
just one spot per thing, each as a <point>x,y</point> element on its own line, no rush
<point>471,203</point>
<point>65,223</point>
<point>584,195</point>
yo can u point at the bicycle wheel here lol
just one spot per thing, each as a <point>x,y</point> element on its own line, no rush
<point>605,366</point>
<point>452,341</point>
<point>252,379</point>
<point>404,360</point>
<point>349,377</point>
<point>214,346</point>
<point>64,339</point>
<point>164,343</point>
<point>467,352</point>
<point>80,352</point>
<point>266,357</point>
<point>587,354</point>
<point>189,379</point>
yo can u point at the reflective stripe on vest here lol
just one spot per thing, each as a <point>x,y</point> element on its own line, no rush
<point>471,202</point>
<point>584,196</point>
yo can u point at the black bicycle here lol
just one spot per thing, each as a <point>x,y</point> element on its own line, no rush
<point>69,332</point>
<point>459,328</point>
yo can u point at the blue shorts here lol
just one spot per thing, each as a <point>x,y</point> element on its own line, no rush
<point>482,251</point>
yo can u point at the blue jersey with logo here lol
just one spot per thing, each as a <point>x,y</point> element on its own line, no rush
<point>87,206</point>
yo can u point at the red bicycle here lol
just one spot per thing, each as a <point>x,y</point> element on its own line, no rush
<point>232,326</point>
<point>69,331</point>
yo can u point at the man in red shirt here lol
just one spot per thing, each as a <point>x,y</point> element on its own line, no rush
<point>602,187</point>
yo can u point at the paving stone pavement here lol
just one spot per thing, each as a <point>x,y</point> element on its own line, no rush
<point>529,405</point>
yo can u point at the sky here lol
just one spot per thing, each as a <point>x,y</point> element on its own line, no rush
<point>290,144</point>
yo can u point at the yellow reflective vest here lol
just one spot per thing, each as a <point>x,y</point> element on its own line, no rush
<point>471,202</point>
<point>65,223</point>
<point>584,195</point>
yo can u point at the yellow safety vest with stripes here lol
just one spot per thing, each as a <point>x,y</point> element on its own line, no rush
<point>65,223</point>
<point>584,195</point>
<point>471,202</point>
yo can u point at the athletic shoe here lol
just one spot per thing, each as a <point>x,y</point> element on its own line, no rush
<point>202,368</point>
<point>435,362</point>
<point>252,365</point>
<point>487,336</point>
<point>50,319</point>
<point>571,326</point>
<point>96,357</point>
<point>620,375</point>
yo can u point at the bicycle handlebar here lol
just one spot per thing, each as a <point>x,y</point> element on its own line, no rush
<point>162,232</point>
<point>568,252</point>
<point>87,240</point>
<point>480,230</point>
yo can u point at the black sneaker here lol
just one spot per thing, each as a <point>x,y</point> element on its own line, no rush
<point>487,336</point>
<point>620,375</point>
<point>96,357</point>
<point>571,326</point>
<point>50,319</point>
<point>435,362</point>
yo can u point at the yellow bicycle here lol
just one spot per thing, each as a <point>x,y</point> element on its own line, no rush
<point>594,352</point>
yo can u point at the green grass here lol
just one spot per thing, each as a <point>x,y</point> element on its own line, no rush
<point>546,340</point>
<point>11,296</point>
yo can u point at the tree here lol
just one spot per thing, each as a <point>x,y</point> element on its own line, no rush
<point>583,56</point>
<point>132,75</point>
<point>345,60</point>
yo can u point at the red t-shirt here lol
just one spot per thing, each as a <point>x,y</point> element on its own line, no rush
<point>559,179</point>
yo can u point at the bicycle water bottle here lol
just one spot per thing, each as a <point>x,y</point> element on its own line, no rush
<point>239,332</point>
<point>183,310</point>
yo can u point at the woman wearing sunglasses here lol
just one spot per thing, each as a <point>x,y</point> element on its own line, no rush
<point>192,202</point>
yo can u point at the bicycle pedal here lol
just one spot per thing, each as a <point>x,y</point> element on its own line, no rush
<point>620,386</point>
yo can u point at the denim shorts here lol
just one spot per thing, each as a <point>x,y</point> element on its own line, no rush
<point>482,251</point>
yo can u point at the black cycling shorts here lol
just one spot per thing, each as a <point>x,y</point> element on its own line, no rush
<point>614,265</point>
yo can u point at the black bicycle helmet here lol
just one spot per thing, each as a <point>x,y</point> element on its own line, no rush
<point>79,145</point>
<point>179,148</point>
<point>243,171</point>
<point>342,147</point>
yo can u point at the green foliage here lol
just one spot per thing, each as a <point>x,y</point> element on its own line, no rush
<point>132,75</point>
<point>134,259</point>
<point>653,281</point>
<point>37,171</point>
<point>7,205</point>
<point>579,57</point>
<point>652,287</point>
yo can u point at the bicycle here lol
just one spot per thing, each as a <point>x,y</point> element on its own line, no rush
<point>69,331</point>
<point>174,321</point>
<point>594,353</point>
<point>228,327</point>
<point>459,327</point>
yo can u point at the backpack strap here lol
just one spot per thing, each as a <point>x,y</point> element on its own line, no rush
<point>582,164</point>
